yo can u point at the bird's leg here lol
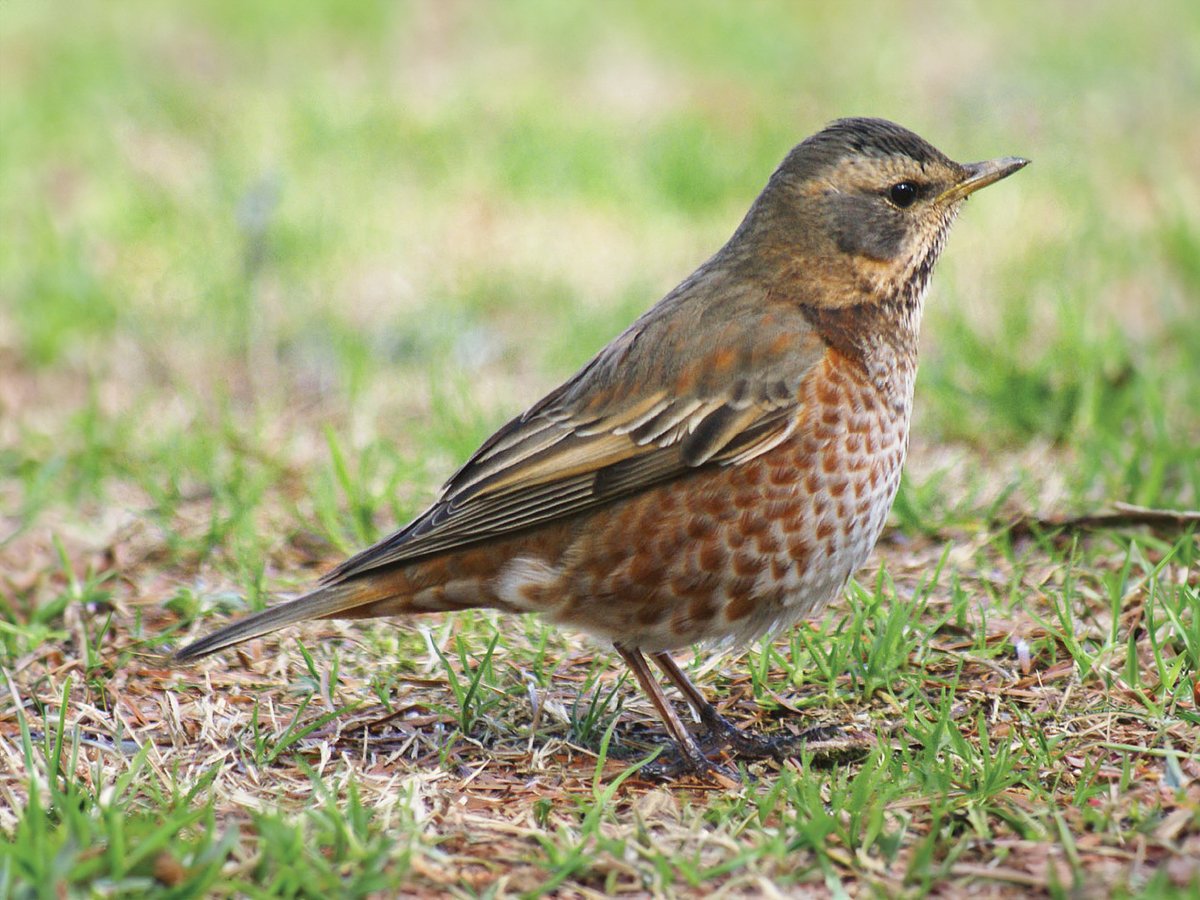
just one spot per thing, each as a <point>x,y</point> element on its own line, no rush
<point>717,729</point>
<point>822,740</point>
<point>692,757</point>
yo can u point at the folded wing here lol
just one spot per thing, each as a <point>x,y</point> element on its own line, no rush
<point>647,409</point>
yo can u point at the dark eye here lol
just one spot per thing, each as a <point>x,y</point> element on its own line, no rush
<point>904,194</point>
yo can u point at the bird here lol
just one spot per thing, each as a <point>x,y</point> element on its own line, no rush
<point>722,467</point>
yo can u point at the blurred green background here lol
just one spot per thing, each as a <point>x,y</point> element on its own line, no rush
<point>270,270</point>
<point>237,235</point>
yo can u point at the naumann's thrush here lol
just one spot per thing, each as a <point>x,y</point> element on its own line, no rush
<point>724,465</point>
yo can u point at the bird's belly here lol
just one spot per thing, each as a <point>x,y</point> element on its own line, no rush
<point>731,552</point>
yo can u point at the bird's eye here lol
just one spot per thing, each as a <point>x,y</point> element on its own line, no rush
<point>903,194</point>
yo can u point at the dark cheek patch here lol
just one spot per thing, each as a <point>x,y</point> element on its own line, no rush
<point>864,226</point>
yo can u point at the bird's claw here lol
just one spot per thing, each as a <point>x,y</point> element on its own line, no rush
<point>687,764</point>
<point>826,743</point>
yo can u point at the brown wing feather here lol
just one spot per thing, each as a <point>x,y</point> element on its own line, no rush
<point>640,413</point>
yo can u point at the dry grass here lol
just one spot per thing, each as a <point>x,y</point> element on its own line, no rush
<point>268,730</point>
<point>254,309</point>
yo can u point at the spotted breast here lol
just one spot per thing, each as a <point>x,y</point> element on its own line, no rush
<point>731,553</point>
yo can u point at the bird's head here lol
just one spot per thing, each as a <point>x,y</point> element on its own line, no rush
<point>859,212</point>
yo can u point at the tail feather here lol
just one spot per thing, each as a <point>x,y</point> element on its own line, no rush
<point>324,602</point>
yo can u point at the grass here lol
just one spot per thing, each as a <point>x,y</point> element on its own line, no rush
<point>268,273</point>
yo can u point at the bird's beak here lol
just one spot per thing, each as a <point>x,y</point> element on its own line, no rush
<point>981,174</point>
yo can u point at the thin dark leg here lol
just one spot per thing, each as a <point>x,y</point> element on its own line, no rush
<point>720,731</point>
<point>693,757</point>
<point>675,675</point>
<point>717,728</point>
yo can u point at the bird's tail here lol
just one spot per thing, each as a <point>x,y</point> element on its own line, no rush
<point>345,599</point>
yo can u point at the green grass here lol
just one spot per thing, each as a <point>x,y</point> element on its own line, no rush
<point>269,272</point>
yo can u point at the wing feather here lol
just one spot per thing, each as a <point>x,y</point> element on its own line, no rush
<point>626,422</point>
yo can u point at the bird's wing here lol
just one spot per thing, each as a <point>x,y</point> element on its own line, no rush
<point>685,386</point>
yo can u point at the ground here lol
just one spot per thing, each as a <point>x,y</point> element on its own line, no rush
<point>268,273</point>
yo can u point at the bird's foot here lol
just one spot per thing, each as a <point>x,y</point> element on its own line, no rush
<point>826,743</point>
<point>678,762</point>
<point>691,764</point>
